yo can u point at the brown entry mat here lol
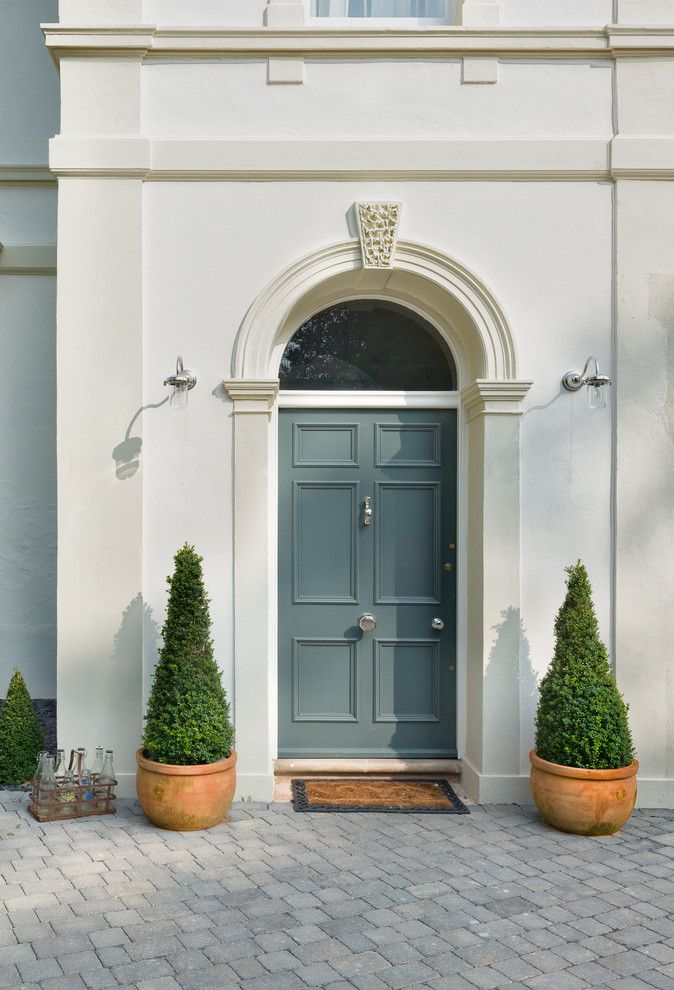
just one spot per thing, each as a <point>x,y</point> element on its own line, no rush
<point>426,796</point>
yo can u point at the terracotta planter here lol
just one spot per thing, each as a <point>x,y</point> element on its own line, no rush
<point>184,799</point>
<point>585,802</point>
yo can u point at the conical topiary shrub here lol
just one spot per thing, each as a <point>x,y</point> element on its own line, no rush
<point>21,736</point>
<point>582,718</point>
<point>187,722</point>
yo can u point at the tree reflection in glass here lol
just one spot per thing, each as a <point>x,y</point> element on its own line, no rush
<point>367,345</point>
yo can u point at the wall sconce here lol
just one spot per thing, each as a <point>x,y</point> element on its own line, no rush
<point>596,384</point>
<point>180,384</point>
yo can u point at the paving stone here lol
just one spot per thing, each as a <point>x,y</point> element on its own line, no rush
<point>275,901</point>
<point>39,969</point>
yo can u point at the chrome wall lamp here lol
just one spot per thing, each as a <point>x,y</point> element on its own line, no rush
<point>597,384</point>
<point>180,385</point>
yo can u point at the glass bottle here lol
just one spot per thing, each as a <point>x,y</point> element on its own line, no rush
<point>45,785</point>
<point>67,793</point>
<point>105,780</point>
<point>97,765</point>
<point>60,765</point>
<point>40,760</point>
<point>84,775</point>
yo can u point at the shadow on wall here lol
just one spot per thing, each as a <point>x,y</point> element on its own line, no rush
<point>136,613</point>
<point>126,455</point>
<point>511,683</point>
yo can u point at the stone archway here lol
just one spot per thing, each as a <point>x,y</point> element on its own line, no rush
<point>473,324</point>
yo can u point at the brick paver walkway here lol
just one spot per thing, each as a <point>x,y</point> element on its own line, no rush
<point>280,901</point>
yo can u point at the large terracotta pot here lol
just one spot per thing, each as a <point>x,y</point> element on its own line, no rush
<point>185,798</point>
<point>585,802</point>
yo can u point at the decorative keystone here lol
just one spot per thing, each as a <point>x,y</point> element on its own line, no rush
<point>378,225</point>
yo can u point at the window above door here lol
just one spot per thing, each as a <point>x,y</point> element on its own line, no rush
<point>422,12</point>
<point>367,345</point>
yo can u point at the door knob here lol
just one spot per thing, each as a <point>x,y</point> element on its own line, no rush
<point>368,512</point>
<point>438,625</point>
<point>367,622</point>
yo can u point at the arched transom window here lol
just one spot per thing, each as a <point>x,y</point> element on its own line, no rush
<point>367,345</point>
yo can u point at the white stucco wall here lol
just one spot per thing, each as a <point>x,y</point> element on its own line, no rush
<point>186,190</point>
<point>530,243</point>
<point>29,114</point>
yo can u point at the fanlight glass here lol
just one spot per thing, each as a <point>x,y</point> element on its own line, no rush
<point>437,9</point>
<point>367,345</point>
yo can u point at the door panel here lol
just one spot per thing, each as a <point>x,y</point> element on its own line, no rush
<point>343,692</point>
<point>408,542</point>
<point>407,445</point>
<point>324,680</point>
<point>324,529</point>
<point>407,680</point>
<point>325,445</point>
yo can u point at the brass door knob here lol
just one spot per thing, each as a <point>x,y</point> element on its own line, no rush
<point>449,567</point>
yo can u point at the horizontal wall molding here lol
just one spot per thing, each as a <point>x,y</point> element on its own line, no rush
<point>39,174</point>
<point>636,156</point>
<point>28,259</point>
<point>150,41</point>
<point>274,160</point>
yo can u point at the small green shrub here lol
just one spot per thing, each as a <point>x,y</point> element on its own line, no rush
<point>187,720</point>
<point>21,736</point>
<point>582,718</point>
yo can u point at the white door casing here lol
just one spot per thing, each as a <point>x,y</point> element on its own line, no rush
<point>471,322</point>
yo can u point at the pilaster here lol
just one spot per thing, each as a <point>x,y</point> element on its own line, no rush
<point>656,12</point>
<point>100,516</point>
<point>254,586</point>
<point>494,638</point>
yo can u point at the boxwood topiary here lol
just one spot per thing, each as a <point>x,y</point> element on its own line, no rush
<point>187,720</point>
<point>21,736</point>
<point>582,718</point>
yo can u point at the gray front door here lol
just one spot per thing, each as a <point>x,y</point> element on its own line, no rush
<point>390,691</point>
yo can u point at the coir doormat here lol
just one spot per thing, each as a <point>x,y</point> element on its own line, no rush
<point>391,795</point>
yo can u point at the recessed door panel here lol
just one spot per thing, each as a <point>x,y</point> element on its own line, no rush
<point>324,544</point>
<point>408,542</point>
<point>325,445</point>
<point>407,680</point>
<point>324,680</point>
<point>407,445</point>
<point>367,516</point>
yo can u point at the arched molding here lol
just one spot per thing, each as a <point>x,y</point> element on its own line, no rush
<point>436,286</point>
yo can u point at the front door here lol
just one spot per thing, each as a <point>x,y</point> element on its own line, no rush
<point>367,583</point>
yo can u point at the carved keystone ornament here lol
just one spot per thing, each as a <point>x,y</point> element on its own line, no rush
<point>378,225</point>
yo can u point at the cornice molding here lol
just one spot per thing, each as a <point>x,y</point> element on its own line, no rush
<point>27,259</point>
<point>22,174</point>
<point>495,398</point>
<point>146,41</point>
<point>252,395</point>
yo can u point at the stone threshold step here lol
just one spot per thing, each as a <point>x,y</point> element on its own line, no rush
<point>296,767</point>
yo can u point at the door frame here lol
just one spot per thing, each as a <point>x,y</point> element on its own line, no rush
<point>337,399</point>
<point>473,324</point>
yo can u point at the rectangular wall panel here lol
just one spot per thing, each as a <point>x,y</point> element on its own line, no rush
<point>325,566</point>
<point>407,680</point>
<point>324,680</point>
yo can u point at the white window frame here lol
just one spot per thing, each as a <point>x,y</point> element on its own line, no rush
<point>373,22</point>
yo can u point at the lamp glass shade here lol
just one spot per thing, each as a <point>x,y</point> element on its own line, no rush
<point>179,397</point>
<point>596,397</point>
